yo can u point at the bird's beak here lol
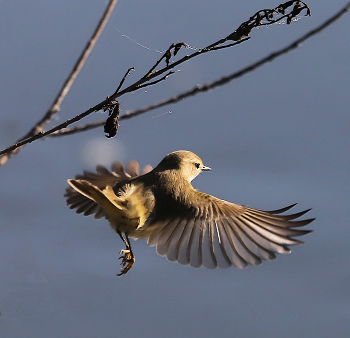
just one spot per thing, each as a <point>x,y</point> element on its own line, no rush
<point>204,168</point>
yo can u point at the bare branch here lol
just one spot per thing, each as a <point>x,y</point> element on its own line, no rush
<point>263,17</point>
<point>55,107</point>
<point>288,10</point>
<point>167,54</point>
<point>78,129</point>
<point>239,36</point>
<point>41,134</point>
<point>205,87</point>
<point>239,73</point>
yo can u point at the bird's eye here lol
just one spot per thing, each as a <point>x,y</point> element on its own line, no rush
<point>197,165</point>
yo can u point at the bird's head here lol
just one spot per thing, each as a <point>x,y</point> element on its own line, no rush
<point>188,164</point>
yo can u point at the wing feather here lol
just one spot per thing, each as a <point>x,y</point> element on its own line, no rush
<point>238,236</point>
<point>209,259</point>
<point>194,250</point>
<point>232,250</point>
<point>280,219</point>
<point>275,228</point>
<point>222,257</point>
<point>175,241</point>
<point>266,243</point>
<point>270,236</point>
<point>182,245</point>
<point>213,233</point>
<point>164,237</point>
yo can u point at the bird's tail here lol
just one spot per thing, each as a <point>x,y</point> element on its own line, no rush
<point>129,206</point>
<point>92,192</point>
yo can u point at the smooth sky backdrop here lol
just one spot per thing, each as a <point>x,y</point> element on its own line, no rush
<point>274,137</point>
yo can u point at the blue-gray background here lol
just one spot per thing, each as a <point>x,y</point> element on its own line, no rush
<point>277,136</point>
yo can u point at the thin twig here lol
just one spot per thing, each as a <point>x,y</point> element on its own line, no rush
<point>206,87</point>
<point>55,107</point>
<point>158,62</point>
<point>159,72</point>
<point>73,130</point>
<point>229,45</point>
<point>123,79</point>
<point>156,81</point>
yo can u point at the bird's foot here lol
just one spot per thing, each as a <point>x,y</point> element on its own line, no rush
<point>128,261</point>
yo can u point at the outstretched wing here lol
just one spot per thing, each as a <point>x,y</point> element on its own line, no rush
<point>215,233</point>
<point>101,179</point>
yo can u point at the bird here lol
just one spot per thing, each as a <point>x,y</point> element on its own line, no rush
<point>187,226</point>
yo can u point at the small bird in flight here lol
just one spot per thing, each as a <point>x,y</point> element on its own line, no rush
<point>186,225</point>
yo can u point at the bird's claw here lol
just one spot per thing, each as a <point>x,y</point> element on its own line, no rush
<point>128,261</point>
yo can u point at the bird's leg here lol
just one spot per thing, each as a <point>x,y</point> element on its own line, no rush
<point>127,255</point>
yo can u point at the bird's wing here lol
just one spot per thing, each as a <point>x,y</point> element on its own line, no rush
<point>215,233</point>
<point>101,179</point>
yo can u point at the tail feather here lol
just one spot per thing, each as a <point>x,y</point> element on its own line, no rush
<point>94,193</point>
